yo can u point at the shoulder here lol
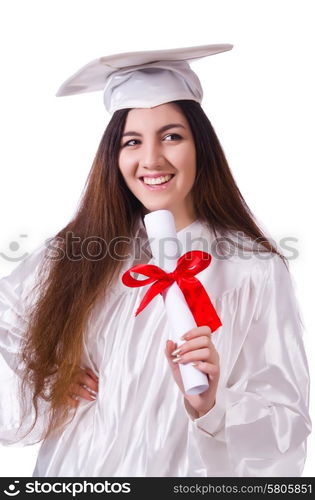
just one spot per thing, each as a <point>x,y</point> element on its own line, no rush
<point>234,264</point>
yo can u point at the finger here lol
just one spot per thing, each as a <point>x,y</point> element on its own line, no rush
<point>190,345</point>
<point>169,348</point>
<point>209,368</point>
<point>78,390</point>
<point>92,374</point>
<point>85,379</point>
<point>197,355</point>
<point>174,366</point>
<point>196,332</point>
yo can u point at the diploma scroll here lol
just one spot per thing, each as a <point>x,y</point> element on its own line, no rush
<point>160,226</point>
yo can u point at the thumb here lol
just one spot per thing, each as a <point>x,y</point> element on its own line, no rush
<point>170,346</point>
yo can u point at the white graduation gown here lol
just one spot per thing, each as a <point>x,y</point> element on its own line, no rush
<point>140,424</point>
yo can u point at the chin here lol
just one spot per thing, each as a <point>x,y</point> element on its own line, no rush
<point>160,206</point>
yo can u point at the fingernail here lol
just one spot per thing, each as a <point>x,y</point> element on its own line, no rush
<point>185,337</point>
<point>89,389</point>
<point>176,360</point>
<point>177,351</point>
<point>92,397</point>
<point>195,363</point>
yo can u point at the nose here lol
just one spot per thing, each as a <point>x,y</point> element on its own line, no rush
<point>151,156</point>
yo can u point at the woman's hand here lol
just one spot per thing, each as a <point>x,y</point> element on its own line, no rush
<point>84,385</point>
<point>199,349</point>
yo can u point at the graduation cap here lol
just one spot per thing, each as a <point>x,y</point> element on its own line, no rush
<point>142,79</point>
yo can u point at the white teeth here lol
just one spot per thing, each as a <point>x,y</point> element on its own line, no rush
<point>156,180</point>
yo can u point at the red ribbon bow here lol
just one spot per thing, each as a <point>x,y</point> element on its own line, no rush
<point>188,265</point>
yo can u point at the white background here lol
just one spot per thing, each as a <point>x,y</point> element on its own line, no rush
<point>259,97</point>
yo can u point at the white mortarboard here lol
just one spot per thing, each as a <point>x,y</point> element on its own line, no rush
<point>142,79</point>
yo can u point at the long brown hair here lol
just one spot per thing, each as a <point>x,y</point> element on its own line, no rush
<point>69,286</point>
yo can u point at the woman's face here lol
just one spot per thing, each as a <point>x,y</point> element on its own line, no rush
<point>157,159</point>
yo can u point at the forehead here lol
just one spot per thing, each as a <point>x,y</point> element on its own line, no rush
<point>157,116</point>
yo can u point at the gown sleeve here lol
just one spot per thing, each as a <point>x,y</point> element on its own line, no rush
<point>260,421</point>
<point>15,298</point>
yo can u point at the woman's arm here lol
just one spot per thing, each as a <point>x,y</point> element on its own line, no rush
<point>14,292</point>
<point>260,421</point>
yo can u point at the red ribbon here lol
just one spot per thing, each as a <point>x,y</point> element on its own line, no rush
<point>188,265</point>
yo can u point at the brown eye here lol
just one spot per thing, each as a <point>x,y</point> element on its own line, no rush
<point>129,143</point>
<point>176,137</point>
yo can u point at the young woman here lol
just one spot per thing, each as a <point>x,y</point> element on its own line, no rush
<point>102,388</point>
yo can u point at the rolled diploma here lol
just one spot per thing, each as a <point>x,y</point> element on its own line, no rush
<point>165,248</point>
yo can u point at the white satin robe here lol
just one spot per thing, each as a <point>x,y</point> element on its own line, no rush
<point>139,424</point>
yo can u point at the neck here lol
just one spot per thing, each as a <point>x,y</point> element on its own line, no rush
<point>183,218</point>
<point>183,223</point>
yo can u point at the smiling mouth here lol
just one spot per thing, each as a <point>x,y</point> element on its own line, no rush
<point>157,181</point>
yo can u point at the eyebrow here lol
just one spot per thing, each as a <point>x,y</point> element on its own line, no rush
<point>162,129</point>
